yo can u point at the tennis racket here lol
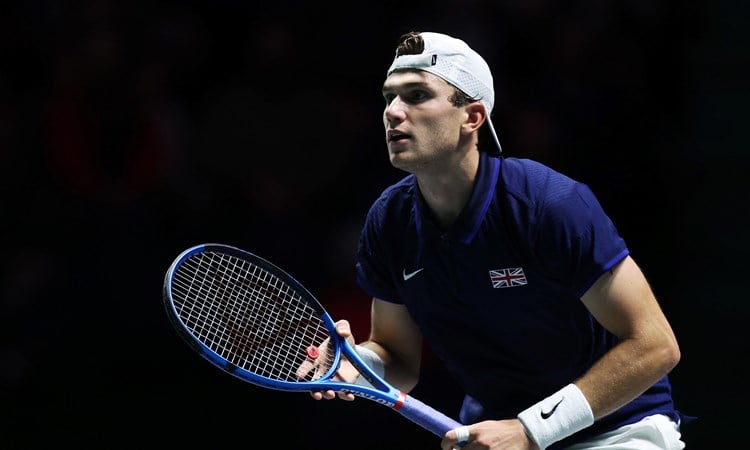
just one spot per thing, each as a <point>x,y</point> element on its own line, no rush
<point>254,321</point>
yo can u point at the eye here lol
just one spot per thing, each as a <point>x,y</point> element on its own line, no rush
<point>415,96</point>
<point>411,96</point>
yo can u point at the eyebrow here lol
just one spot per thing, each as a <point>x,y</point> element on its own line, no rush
<point>408,85</point>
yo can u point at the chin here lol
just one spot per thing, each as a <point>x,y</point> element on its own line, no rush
<point>399,161</point>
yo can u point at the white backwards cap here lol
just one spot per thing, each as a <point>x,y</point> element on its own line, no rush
<point>455,62</point>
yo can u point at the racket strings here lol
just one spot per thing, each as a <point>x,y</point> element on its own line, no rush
<point>247,315</point>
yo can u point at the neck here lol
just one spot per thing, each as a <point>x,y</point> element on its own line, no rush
<point>446,192</point>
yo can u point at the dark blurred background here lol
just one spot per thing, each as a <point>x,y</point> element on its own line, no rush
<point>130,131</point>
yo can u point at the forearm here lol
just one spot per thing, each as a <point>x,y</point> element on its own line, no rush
<point>396,339</point>
<point>398,371</point>
<point>624,373</point>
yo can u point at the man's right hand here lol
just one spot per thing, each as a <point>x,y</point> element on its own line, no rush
<point>346,373</point>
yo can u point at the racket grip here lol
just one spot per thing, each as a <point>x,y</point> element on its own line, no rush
<point>427,417</point>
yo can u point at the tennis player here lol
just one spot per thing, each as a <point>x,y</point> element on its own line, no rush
<point>511,272</point>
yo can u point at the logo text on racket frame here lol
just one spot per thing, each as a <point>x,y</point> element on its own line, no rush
<point>375,398</point>
<point>409,275</point>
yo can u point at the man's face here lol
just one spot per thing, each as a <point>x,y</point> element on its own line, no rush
<point>421,123</point>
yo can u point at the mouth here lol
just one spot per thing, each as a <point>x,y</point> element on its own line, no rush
<point>397,136</point>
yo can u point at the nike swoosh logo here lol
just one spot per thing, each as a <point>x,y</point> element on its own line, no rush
<point>546,415</point>
<point>407,276</point>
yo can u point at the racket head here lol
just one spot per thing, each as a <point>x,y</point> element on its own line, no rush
<point>249,317</point>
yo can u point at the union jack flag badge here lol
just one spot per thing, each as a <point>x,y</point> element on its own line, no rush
<point>509,277</point>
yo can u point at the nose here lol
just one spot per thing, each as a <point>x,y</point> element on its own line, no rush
<point>394,111</point>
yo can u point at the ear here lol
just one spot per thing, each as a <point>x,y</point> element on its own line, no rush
<point>476,114</point>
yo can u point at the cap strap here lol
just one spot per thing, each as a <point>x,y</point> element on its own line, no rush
<point>420,61</point>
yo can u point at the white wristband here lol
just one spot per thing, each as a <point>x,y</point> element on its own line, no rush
<point>557,416</point>
<point>372,360</point>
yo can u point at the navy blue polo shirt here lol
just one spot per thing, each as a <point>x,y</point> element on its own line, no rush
<point>497,296</point>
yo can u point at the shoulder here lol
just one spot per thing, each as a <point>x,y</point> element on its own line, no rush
<point>547,204</point>
<point>543,188</point>
<point>394,199</point>
<point>392,208</point>
<point>528,178</point>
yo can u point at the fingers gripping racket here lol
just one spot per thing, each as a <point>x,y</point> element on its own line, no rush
<point>254,321</point>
